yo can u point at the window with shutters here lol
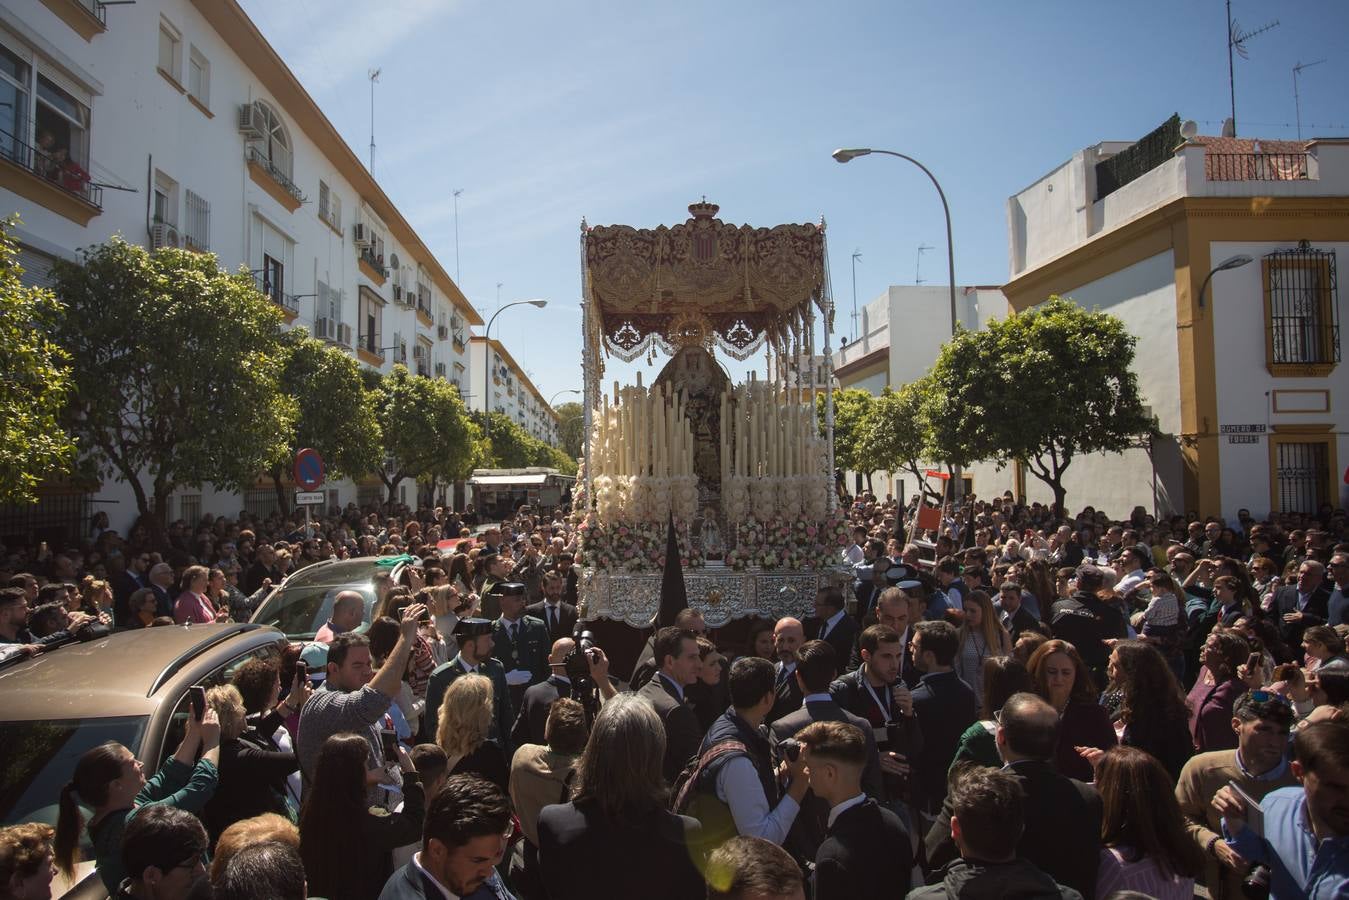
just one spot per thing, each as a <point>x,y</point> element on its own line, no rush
<point>170,51</point>
<point>199,77</point>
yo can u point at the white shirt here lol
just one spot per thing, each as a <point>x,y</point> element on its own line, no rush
<point>1131,580</point>
<point>679,688</point>
<point>816,698</point>
<point>738,786</point>
<point>830,622</point>
<point>445,892</point>
<point>842,807</point>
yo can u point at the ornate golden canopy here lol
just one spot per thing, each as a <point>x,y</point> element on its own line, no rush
<point>701,282</point>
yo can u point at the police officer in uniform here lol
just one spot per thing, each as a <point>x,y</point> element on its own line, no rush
<point>520,641</point>
<point>475,655</point>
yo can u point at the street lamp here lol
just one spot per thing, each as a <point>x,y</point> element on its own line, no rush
<point>487,358</point>
<point>848,155</point>
<point>1232,262</point>
<point>844,156</point>
<point>560,393</point>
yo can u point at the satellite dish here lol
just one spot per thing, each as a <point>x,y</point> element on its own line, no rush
<point>1188,129</point>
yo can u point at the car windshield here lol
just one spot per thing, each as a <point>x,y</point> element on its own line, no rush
<point>301,610</point>
<point>39,758</point>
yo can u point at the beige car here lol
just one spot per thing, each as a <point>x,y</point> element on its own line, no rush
<point>130,687</point>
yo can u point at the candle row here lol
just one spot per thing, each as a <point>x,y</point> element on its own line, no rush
<point>643,432</point>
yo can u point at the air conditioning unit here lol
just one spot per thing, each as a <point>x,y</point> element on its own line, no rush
<point>419,351</point>
<point>443,332</point>
<point>251,122</point>
<point>162,234</point>
<point>363,236</point>
<point>344,334</point>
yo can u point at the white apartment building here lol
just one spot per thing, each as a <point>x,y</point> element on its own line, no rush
<point>509,390</point>
<point>899,335</point>
<point>1221,256</point>
<point>174,122</point>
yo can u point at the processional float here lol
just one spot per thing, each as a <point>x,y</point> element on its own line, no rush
<point>742,468</point>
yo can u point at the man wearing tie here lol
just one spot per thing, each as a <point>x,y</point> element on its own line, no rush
<point>520,642</point>
<point>832,623</point>
<point>788,636</point>
<point>475,655</point>
<point>559,615</point>
<point>678,666</point>
<point>1302,605</point>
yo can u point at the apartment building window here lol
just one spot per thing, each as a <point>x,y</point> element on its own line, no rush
<point>369,325</point>
<point>170,50</point>
<point>271,140</point>
<point>197,222</point>
<point>272,257</point>
<point>1302,328</point>
<point>165,200</point>
<point>199,77</point>
<point>189,509</point>
<point>273,278</point>
<point>330,206</point>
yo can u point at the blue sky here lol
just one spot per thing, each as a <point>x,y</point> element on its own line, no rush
<point>628,111</point>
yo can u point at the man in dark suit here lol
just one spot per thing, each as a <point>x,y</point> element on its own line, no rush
<point>1304,604</point>
<point>943,707</point>
<point>815,669</point>
<point>519,642</point>
<point>893,611</point>
<point>465,836</point>
<point>865,854</point>
<point>1063,816</point>
<point>1014,616</point>
<point>676,650</point>
<point>788,636</point>
<point>475,655</point>
<point>566,567</point>
<point>161,582</point>
<point>127,582</point>
<point>688,619</point>
<point>533,715</point>
<point>832,623</point>
<point>559,615</point>
<point>1337,605</point>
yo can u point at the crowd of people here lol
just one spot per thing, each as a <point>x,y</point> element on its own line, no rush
<point>1020,705</point>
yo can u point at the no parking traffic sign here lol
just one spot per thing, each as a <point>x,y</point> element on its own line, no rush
<point>309,469</point>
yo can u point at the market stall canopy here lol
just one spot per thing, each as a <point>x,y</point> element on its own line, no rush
<point>702,282</point>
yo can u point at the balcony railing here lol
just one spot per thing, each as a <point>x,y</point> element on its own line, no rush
<point>66,174</point>
<point>375,261</point>
<point>258,156</point>
<point>1255,166</point>
<point>96,9</point>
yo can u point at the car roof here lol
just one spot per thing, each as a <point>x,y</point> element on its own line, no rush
<point>331,573</point>
<point>77,681</point>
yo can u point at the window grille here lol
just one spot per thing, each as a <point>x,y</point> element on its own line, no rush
<point>198,215</point>
<point>1302,476</point>
<point>1302,303</point>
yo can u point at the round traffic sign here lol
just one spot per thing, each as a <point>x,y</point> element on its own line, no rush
<point>309,469</point>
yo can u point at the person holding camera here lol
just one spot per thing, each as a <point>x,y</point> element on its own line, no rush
<point>1303,836</point>
<point>865,852</point>
<point>539,698</point>
<point>734,787</point>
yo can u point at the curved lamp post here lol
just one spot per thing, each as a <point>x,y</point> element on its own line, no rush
<point>1232,262</point>
<point>844,156</point>
<point>487,360</point>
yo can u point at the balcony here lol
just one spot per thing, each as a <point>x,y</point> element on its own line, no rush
<point>368,349</point>
<point>372,265</point>
<point>61,185</point>
<point>272,179</point>
<point>1255,166</point>
<point>424,313</point>
<point>86,17</point>
<point>459,342</point>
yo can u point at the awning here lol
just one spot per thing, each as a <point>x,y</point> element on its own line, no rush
<point>508,479</point>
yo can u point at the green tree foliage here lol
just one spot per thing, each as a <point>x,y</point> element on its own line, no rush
<point>178,375</point>
<point>336,412</point>
<point>893,435</point>
<point>850,409</point>
<point>35,374</point>
<point>1044,387</point>
<point>425,429</point>
<point>571,428</point>
<point>511,447</point>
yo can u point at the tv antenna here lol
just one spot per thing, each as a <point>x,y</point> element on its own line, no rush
<point>918,265</point>
<point>1297,103</point>
<point>856,255</point>
<point>374,77</point>
<point>457,192</point>
<point>1236,41</point>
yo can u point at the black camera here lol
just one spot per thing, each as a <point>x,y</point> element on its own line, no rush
<point>791,749</point>
<point>1255,885</point>
<point>577,662</point>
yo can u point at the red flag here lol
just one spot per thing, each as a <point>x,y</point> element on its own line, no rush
<point>933,473</point>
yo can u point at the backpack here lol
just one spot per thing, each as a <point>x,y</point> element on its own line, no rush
<point>686,783</point>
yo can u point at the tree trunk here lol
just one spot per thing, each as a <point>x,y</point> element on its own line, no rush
<point>392,482</point>
<point>281,499</point>
<point>159,517</point>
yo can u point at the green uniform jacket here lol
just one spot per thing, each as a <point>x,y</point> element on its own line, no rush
<point>444,676</point>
